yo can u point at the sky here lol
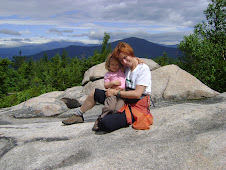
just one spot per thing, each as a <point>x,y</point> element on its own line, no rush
<point>24,22</point>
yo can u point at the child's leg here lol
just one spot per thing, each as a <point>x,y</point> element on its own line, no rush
<point>120,103</point>
<point>109,105</point>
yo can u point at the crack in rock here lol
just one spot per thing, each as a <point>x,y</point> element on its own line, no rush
<point>6,144</point>
<point>47,140</point>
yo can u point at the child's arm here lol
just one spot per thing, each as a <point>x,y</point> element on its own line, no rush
<point>112,84</point>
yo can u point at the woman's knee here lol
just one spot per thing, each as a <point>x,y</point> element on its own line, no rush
<point>91,94</point>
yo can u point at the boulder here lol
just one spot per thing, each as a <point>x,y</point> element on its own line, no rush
<point>96,72</point>
<point>152,65</point>
<point>75,96</point>
<point>44,105</point>
<point>72,96</point>
<point>172,83</point>
<point>92,85</point>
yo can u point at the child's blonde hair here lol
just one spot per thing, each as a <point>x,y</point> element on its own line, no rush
<point>108,60</point>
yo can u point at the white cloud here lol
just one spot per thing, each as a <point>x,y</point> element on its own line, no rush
<point>87,20</point>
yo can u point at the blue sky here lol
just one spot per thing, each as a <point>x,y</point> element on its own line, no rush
<point>24,22</point>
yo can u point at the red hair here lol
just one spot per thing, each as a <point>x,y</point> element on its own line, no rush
<point>124,48</point>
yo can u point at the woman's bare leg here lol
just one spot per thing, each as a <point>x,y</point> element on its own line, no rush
<point>89,103</point>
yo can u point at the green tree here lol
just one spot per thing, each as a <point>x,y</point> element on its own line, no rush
<point>42,71</point>
<point>75,72</point>
<point>164,60</point>
<point>4,67</point>
<point>204,50</point>
<point>64,58</point>
<point>106,47</point>
<point>25,75</point>
<point>18,61</point>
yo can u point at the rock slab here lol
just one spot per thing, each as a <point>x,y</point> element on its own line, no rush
<point>185,135</point>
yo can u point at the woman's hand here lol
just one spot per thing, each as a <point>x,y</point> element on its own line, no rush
<point>111,92</point>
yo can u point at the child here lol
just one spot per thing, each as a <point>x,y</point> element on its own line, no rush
<point>114,78</point>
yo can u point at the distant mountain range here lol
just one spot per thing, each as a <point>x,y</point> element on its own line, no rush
<point>35,48</point>
<point>142,48</point>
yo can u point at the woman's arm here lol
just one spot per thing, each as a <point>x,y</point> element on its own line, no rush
<point>132,94</point>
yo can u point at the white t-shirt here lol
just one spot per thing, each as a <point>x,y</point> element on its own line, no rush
<point>141,75</point>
